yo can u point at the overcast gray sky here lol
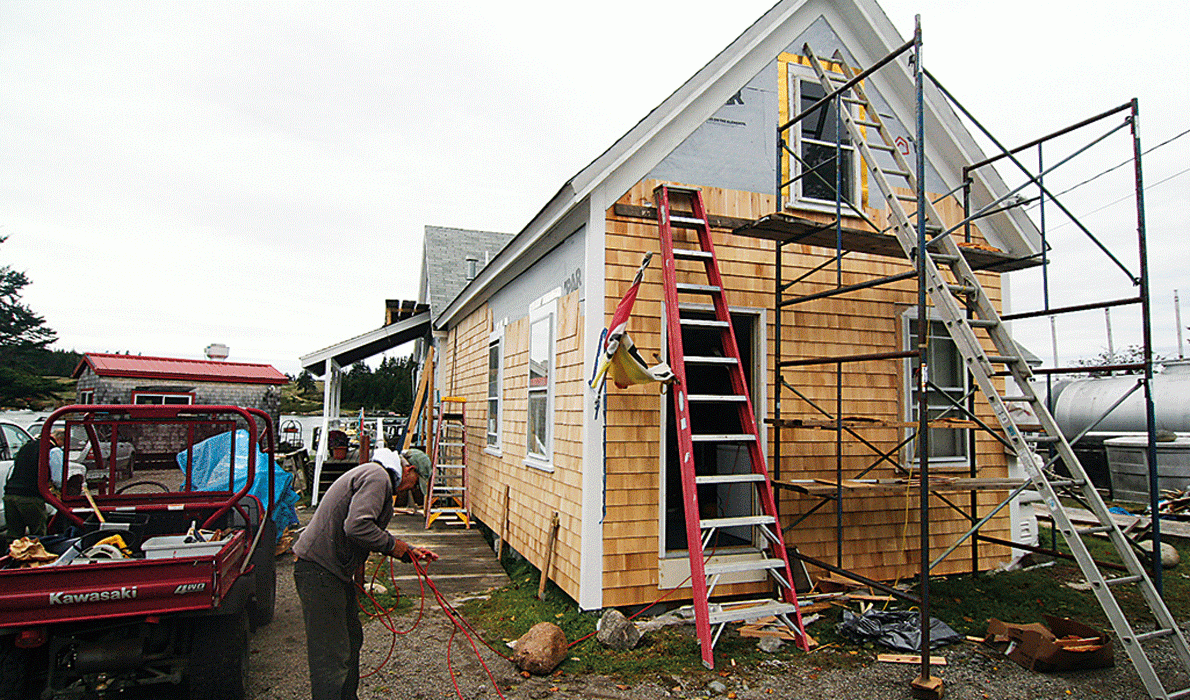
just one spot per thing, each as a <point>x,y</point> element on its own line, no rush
<point>259,173</point>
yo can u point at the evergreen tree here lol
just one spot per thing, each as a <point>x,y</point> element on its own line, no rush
<point>23,335</point>
<point>305,383</point>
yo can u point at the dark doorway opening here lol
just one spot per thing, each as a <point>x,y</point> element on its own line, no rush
<point>733,500</point>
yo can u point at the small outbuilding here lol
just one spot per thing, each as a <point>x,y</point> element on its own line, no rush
<point>136,379</point>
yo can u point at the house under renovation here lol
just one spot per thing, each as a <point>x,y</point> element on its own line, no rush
<point>523,336</point>
<point>810,242</point>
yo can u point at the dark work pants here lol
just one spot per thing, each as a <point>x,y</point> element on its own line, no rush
<point>24,515</point>
<point>334,634</point>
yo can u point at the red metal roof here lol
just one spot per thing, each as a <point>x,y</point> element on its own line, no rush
<point>139,366</point>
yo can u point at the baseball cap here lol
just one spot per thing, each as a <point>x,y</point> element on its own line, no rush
<point>420,461</point>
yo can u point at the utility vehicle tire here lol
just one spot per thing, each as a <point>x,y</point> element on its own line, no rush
<point>264,559</point>
<point>14,675</point>
<point>219,658</point>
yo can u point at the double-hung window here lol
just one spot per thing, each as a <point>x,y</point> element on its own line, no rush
<point>946,389</point>
<point>824,150</point>
<point>495,382</point>
<point>540,428</point>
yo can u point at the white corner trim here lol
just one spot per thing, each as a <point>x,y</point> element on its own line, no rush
<point>590,592</point>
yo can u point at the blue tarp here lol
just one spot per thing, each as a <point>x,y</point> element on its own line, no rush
<point>211,471</point>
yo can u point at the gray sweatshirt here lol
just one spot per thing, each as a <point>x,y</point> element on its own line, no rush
<point>350,522</point>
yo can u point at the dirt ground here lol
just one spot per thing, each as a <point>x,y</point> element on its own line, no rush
<point>417,667</point>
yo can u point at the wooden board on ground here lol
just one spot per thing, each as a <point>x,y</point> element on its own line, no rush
<point>909,659</point>
<point>758,629</point>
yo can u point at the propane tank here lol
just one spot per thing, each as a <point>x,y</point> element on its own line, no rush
<point>1079,403</point>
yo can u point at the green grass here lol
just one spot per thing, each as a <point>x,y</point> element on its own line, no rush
<point>661,654</point>
<point>965,602</point>
<point>394,600</point>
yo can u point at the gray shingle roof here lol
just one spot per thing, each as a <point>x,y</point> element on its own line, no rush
<point>444,266</point>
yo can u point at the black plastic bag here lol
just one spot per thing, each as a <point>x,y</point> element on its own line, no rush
<point>895,629</point>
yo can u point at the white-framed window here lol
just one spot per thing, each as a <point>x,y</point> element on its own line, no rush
<point>87,396</point>
<point>162,398</point>
<point>947,385</point>
<point>814,141</point>
<point>495,387</point>
<point>539,431</point>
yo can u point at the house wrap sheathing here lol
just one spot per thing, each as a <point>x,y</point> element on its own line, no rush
<point>519,342</point>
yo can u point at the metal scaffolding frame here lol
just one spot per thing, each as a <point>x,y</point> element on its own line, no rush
<point>848,239</point>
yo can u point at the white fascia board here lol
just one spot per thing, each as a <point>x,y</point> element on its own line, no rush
<point>637,152</point>
<point>667,126</point>
<point>557,220</point>
<point>423,284</point>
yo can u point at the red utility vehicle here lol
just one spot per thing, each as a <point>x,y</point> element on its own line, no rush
<point>166,608</point>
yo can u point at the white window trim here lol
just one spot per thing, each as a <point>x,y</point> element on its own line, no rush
<point>497,338</point>
<point>542,308</point>
<point>798,73</point>
<point>909,456</point>
<point>163,394</point>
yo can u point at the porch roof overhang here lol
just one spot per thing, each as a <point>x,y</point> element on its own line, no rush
<point>368,344</point>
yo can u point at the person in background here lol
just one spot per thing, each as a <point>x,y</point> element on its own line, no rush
<point>349,525</point>
<point>421,462</point>
<point>24,508</point>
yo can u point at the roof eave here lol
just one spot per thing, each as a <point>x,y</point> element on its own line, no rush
<point>385,337</point>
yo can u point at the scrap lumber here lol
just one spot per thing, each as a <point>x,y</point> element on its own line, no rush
<point>926,688</point>
<point>772,627</point>
<point>909,659</point>
<point>419,400</point>
<point>503,525</point>
<point>549,556</point>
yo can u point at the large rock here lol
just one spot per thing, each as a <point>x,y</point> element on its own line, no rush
<point>1169,554</point>
<point>617,631</point>
<point>541,649</point>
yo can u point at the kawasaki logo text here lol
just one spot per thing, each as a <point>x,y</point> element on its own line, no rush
<point>64,598</point>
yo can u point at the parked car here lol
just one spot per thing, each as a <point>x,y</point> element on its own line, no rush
<point>12,437</point>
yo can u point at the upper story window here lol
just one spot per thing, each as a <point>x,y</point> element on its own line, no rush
<point>161,398</point>
<point>540,429</point>
<point>946,390</point>
<point>822,144</point>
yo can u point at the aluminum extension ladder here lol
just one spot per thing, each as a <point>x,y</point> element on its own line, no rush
<point>953,296</point>
<point>447,490</point>
<point>691,411</point>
